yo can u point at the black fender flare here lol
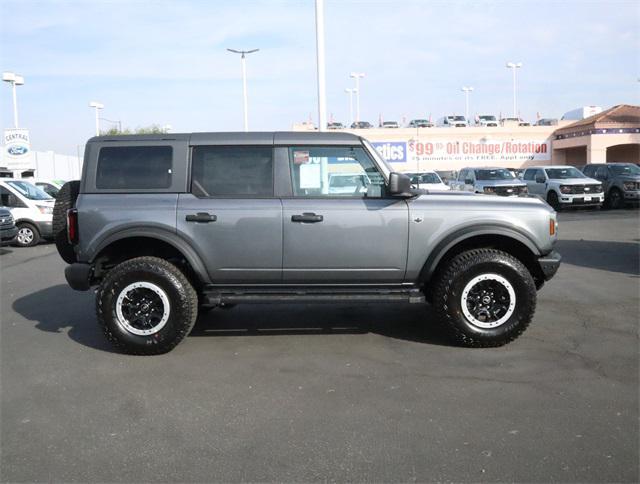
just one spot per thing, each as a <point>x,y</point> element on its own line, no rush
<point>454,238</point>
<point>173,239</point>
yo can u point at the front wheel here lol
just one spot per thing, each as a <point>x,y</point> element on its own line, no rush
<point>28,235</point>
<point>146,306</point>
<point>615,200</point>
<point>552,199</point>
<point>486,297</point>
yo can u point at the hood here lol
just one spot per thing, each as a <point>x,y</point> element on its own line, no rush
<point>501,183</point>
<point>576,181</point>
<point>629,178</point>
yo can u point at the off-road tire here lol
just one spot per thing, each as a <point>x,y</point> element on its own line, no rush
<point>182,297</point>
<point>463,268</point>
<point>615,199</point>
<point>35,240</point>
<point>65,199</point>
<point>554,201</point>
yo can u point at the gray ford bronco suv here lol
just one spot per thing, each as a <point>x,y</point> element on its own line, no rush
<point>169,225</point>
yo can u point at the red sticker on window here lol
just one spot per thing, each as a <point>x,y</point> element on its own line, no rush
<point>300,157</point>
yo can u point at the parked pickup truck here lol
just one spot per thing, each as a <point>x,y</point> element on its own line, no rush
<point>621,182</point>
<point>165,226</point>
<point>563,186</point>
<point>490,181</point>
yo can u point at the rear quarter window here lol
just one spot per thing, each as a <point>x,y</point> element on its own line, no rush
<point>134,167</point>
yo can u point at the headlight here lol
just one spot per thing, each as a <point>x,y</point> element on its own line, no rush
<point>629,185</point>
<point>565,189</point>
<point>489,190</point>
<point>45,210</point>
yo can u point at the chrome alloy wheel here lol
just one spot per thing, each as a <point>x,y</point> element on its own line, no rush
<point>142,308</point>
<point>25,236</point>
<point>488,301</point>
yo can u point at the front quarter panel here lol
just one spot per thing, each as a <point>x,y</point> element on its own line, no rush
<point>438,222</point>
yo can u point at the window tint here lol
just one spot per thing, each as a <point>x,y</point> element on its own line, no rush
<point>134,167</point>
<point>601,173</point>
<point>336,171</point>
<point>232,171</point>
<point>529,175</point>
<point>589,170</point>
<point>8,199</point>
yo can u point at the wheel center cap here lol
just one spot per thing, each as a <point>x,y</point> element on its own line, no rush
<point>486,300</point>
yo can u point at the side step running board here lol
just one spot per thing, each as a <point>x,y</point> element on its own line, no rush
<point>213,296</point>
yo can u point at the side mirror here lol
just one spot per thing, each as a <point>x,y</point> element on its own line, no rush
<point>468,181</point>
<point>540,179</point>
<point>399,184</point>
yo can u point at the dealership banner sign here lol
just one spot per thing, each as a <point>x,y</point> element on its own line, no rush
<point>482,150</point>
<point>17,149</point>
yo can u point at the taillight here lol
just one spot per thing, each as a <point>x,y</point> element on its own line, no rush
<point>72,226</point>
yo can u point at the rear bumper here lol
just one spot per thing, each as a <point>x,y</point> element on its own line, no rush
<point>549,264</point>
<point>78,276</point>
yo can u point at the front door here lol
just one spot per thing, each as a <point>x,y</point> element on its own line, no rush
<point>339,226</point>
<point>231,216</point>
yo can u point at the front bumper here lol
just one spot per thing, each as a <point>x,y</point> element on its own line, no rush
<point>549,264</point>
<point>632,196</point>
<point>45,229</point>
<point>582,199</point>
<point>7,235</point>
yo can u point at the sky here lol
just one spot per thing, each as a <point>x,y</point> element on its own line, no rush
<point>165,62</point>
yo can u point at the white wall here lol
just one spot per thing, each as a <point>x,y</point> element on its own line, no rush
<point>48,164</point>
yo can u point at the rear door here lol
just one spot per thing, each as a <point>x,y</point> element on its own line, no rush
<point>356,236</point>
<point>230,215</point>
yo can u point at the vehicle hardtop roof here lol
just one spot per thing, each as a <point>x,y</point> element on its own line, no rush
<point>240,138</point>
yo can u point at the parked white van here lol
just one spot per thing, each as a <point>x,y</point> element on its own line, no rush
<point>31,207</point>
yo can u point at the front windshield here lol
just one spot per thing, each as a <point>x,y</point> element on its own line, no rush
<point>563,173</point>
<point>30,191</point>
<point>626,169</point>
<point>458,118</point>
<point>497,174</point>
<point>431,178</point>
<point>420,121</point>
<point>488,118</point>
<point>380,161</point>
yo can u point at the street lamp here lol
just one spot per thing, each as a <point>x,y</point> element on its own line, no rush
<point>357,76</point>
<point>15,80</point>
<point>350,91</point>
<point>244,81</point>
<point>322,90</point>
<point>513,66</point>
<point>97,107</point>
<point>466,91</point>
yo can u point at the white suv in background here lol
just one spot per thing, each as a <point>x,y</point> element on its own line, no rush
<point>32,209</point>
<point>563,186</point>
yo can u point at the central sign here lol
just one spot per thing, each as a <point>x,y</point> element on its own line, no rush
<point>17,148</point>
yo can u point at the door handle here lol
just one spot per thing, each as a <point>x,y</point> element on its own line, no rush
<point>307,217</point>
<point>201,217</point>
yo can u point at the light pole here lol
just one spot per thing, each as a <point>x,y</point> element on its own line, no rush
<point>357,76</point>
<point>244,81</point>
<point>15,80</point>
<point>97,107</point>
<point>513,66</point>
<point>322,93</point>
<point>466,91</point>
<point>350,91</point>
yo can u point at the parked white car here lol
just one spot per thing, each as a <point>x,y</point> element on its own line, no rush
<point>348,183</point>
<point>453,122</point>
<point>52,187</point>
<point>563,186</point>
<point>31,207</point>
<point>487,121</point>
<point>428,180</point>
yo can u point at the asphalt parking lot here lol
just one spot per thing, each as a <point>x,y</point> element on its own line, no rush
<point>331,393</point>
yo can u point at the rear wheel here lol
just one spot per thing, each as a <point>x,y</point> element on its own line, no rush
<point>28,235</point>
<point>65,200</point>
<point>485,297</point>
<point>146,306</point>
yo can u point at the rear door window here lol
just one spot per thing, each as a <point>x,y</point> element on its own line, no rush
<point>232,171</point>
<point>134,167</point>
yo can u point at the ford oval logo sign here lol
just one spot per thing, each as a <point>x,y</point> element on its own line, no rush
<point>17,150</point>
